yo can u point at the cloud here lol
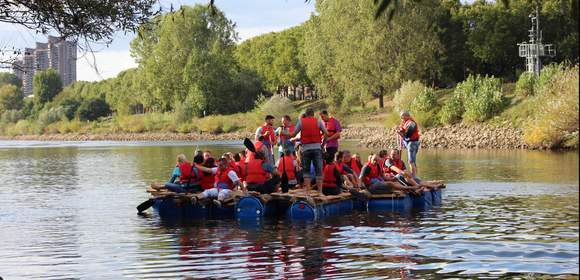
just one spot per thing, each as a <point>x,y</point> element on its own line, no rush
<point>108,64</point>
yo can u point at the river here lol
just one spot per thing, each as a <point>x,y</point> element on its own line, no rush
<point>67,211</point>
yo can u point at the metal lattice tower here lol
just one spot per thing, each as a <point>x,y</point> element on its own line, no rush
<point>534,49</point>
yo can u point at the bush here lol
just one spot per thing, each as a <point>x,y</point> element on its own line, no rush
<point>526,84</point>
<point>11,116</point>
<point>546,76</point>
<point>452,111</point>
<point>93,109</point>
<point>48,116</point>
<point>425,101</point>
<point>22,127</point>
<point>276,106</point>
<point>480,97</point>
<point>555,123</point>
<point>406,94</point>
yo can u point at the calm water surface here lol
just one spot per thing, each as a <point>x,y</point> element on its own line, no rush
<point>67,211</point>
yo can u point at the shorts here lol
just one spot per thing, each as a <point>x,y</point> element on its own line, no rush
<point>412,150</point>
<point>312,157</point>
<point>220,194</point>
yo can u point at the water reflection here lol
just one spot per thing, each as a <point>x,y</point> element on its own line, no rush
<point>68,213</point>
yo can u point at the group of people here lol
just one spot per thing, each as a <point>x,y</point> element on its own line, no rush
<point>308,154</point>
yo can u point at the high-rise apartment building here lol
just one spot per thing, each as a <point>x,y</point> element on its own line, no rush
<point>57,54</point>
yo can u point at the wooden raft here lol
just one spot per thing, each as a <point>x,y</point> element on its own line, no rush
<point>158,190</point>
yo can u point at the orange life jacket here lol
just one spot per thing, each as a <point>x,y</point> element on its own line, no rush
<point>405,125</point>
<point>251,156</point>
<point>221,178</point>
<point>207,180</point>
<point>288,162</point>
<point>271,137</point>
<point>310,132</point>
<point>283,138</point>
<point>355,166</point>
<point>255,174</point>
<point>241,168</point>
<point>185,171</point>
<point>397,163</point>
<point>331,126</point>
<point>375,173</point>
<point>329,178</point>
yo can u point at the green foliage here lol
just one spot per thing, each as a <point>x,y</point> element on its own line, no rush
<point>405,96</point>
<point>93,109</point>
<point>555,120</point>
<point>425,101</point>
<point>276,58</point>
<point>10,79</point>
<point>11,98</point>
<point>199,68</point>
<point>452,111</point>
<point>526,84</point>
<point>47,84</point>
<point>276,106</point>
<point>49,116</point>
<point>546,75</point>
<point>482,98</point>
<point>11,116</point>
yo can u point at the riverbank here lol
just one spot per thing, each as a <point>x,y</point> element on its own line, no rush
<point>459,136</point>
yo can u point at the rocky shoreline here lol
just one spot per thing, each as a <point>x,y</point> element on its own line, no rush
<point>448,137</point>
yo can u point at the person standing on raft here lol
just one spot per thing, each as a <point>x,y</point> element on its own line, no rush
<point>311,132</point>
<point>267,131</point>
<point>334,129</point>
<point>409,131</point>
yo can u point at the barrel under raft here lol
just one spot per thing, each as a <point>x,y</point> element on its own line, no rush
<point>390,202</point>
<point>176,208</point>
<point>320,208</point>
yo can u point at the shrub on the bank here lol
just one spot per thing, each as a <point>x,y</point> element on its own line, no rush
<point>526,84</point>
<point>547,74</point>
<point>477,99</point>
<point>11,116</point>
<point>22,127</point>
<point>276,106</point>
<point>555,122</point>
<point>452,111</point>
<point>406,94</point>
<point>49,116</point>
<point>93,109</point>
<point>425,101</point>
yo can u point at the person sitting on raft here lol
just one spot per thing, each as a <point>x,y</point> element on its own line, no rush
<point>189,176</point>
<point>288,163</point>
<point>395,168</point>
<point>260,147</point>
<point>332,182</point>
<point>356,164</point>
<point>372,178</point>
<point>240,163</point>
<point>261,176</point>
<point>207,177</point>
<point>225,181</point>
<point>343,160</point>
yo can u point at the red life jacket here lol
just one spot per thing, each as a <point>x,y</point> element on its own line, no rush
<point>405,125</point>
<point>331,126</point>
<point>397,163</point>
<point>283,138</point>
<point>329,178</point>
<point>185,171</point>
<point>381,162</point>
<point>271,137</point>
<point>354,166</point>
<point>207,180</point>
<point>255,174</point>
<point>310,132</point>
<point>241,169</point>
<point>287,161</point>
<point>221,177</point>
<point>375,173</point>
<point>251,156</point>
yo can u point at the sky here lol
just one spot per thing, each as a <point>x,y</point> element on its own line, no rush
<point>252,18</point>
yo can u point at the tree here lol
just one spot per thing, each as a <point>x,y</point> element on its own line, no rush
<point>47,84</point>
<point>356,56</point>
<point>188,56</point>
<point>11,98</point>
<point>93,108</point>
<point>10,79</point>
<point>94,20</point>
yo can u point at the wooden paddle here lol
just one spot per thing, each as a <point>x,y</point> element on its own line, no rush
<point>250,145</point>
<point>284,181</point>
<point>145,205</point>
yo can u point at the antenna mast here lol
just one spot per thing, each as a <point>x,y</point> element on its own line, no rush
<point>535,49</point>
